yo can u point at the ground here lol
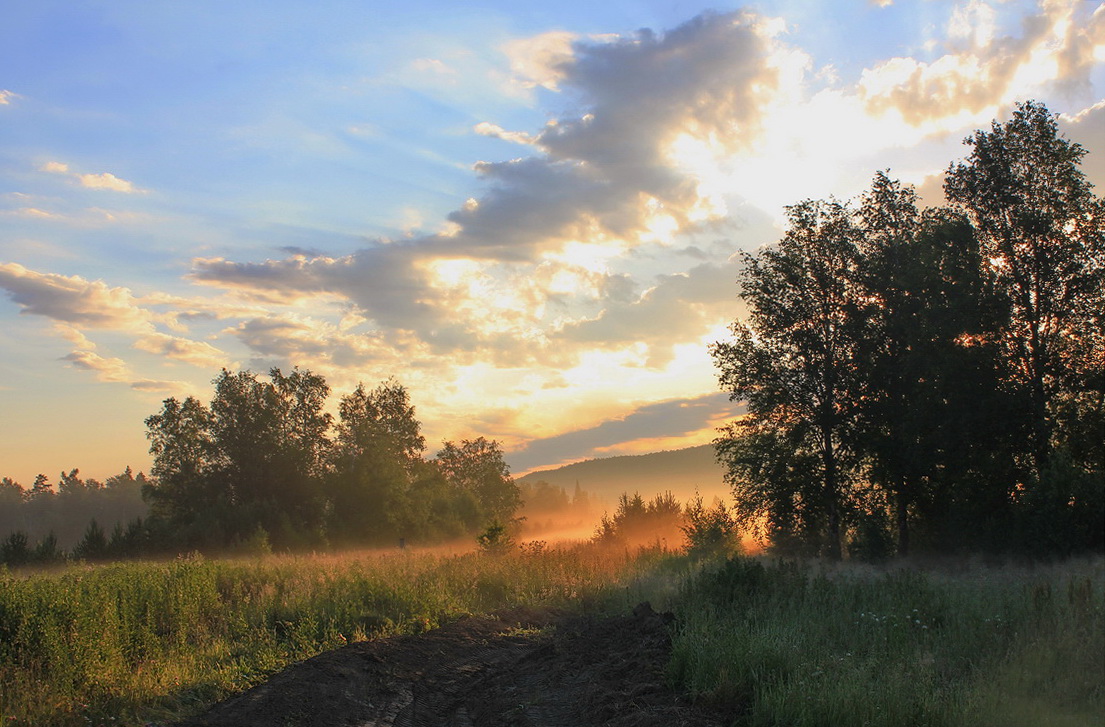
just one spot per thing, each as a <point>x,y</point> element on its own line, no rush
<point>523,668</point>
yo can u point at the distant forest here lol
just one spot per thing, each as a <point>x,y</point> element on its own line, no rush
<point>929,380</point>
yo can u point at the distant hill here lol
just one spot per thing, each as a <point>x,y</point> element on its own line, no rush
<point>681,471</point>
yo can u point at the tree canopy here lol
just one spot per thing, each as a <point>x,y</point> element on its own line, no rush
<point>935,372</point>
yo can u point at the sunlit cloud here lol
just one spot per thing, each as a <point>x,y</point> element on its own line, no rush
<point>195,353</point>
<point>106,369</point>
<point>72,299</point>
<point>984,70</point>
<point>538,61</point>
<point>6,97</point>
<point>102,181</point>
<point>107,181</point>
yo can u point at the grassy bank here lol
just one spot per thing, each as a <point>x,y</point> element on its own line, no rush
<point>131,643</point>
<point>804,645</point>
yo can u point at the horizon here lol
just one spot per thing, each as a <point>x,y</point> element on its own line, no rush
<point>531,218</point>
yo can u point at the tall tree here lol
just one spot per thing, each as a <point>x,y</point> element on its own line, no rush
<point>1043,233</point>
<point>183,458</point>
<point>477,467</point>
<point>928,357</point>
<point>793,362</point>
<point>376,457</point>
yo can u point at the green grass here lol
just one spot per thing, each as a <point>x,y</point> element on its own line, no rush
<point>131,643</point>
<point>776,643</point>
<point>783,643</point>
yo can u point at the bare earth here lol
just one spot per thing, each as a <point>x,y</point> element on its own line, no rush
<point>525,668</point>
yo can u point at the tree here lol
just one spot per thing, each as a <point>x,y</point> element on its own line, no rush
<point>477,467</point>
<point>932,401</point>
<point>1043,233</point>
<point>376,458</point>
<point>793,362</point>
<point>270,440</point>
<point>184,455</point>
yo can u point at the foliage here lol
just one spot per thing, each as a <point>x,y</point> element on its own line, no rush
<point>640,522</point>
<point>495,540</point>
<point>265,456</point>
<point>932,378</point>
<point>711,531</point>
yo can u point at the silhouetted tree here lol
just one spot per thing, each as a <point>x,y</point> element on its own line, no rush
<point>794,362</point>
<point>1043,235</point>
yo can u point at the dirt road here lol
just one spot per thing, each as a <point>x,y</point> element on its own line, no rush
<point>523,668</point>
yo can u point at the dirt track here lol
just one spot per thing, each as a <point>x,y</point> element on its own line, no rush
<point>520,668</point>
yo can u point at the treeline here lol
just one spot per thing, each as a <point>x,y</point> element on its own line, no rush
<point>264,466</point>
<point>929,380</point>
<point>46,522</point>
<point>264,463</point>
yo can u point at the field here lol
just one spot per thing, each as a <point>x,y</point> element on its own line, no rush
<point>758,641</point>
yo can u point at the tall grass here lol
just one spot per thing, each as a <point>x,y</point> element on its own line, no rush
<point>805,645</point>
<point>131,643</point>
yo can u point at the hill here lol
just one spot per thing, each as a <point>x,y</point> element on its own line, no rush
<point>681,471</point>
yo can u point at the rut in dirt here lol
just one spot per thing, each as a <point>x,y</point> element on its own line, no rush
<point>522,668</point>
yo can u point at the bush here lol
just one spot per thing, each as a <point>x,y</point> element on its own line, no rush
<point>495,540</point>
<point>710,531</point>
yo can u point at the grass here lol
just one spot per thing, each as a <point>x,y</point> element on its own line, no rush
<point>809,645</point>
<point>773,642</point>
<point>133,643</point>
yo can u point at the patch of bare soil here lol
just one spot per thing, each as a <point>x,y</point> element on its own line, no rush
<point>523,668</point>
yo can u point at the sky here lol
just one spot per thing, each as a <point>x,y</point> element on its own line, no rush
<point>530,214</point>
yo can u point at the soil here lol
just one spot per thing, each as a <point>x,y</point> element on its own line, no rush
<point>523,668</point>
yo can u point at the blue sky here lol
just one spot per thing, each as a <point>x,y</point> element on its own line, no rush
<point>528,214</point>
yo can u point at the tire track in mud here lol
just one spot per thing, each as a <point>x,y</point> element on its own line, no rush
<point>518,668</point>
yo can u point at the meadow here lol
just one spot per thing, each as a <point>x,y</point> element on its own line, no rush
<point>771,641</point>
<point>139,642</point>
<point>804,644</point>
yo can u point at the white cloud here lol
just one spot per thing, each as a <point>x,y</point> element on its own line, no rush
<point>103,181</point>
<point>107,181</point>
<point>6,97</point>
<point>485,128</point>
<point>540,60</point>
<point>433,65</point>
<point>984,70</point>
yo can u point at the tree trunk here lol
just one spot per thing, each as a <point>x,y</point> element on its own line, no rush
<point>903,523</point>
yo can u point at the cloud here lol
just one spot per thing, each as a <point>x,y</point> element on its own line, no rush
<point>433,65</point>
<point>287,337</point>
<point>106,369</point>
<point>667,418</point>
<point>6,97</point>
<point>107,181</point>
<point>682,302</point>
<point>983,69</point>
<point>103,181</point>
<point>176,348</point>
<point>485,128</point>
<point>601,177</point>
<point>539,61</point>
<point>72,299</point>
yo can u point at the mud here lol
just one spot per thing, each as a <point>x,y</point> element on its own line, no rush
<point>524,668</point>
